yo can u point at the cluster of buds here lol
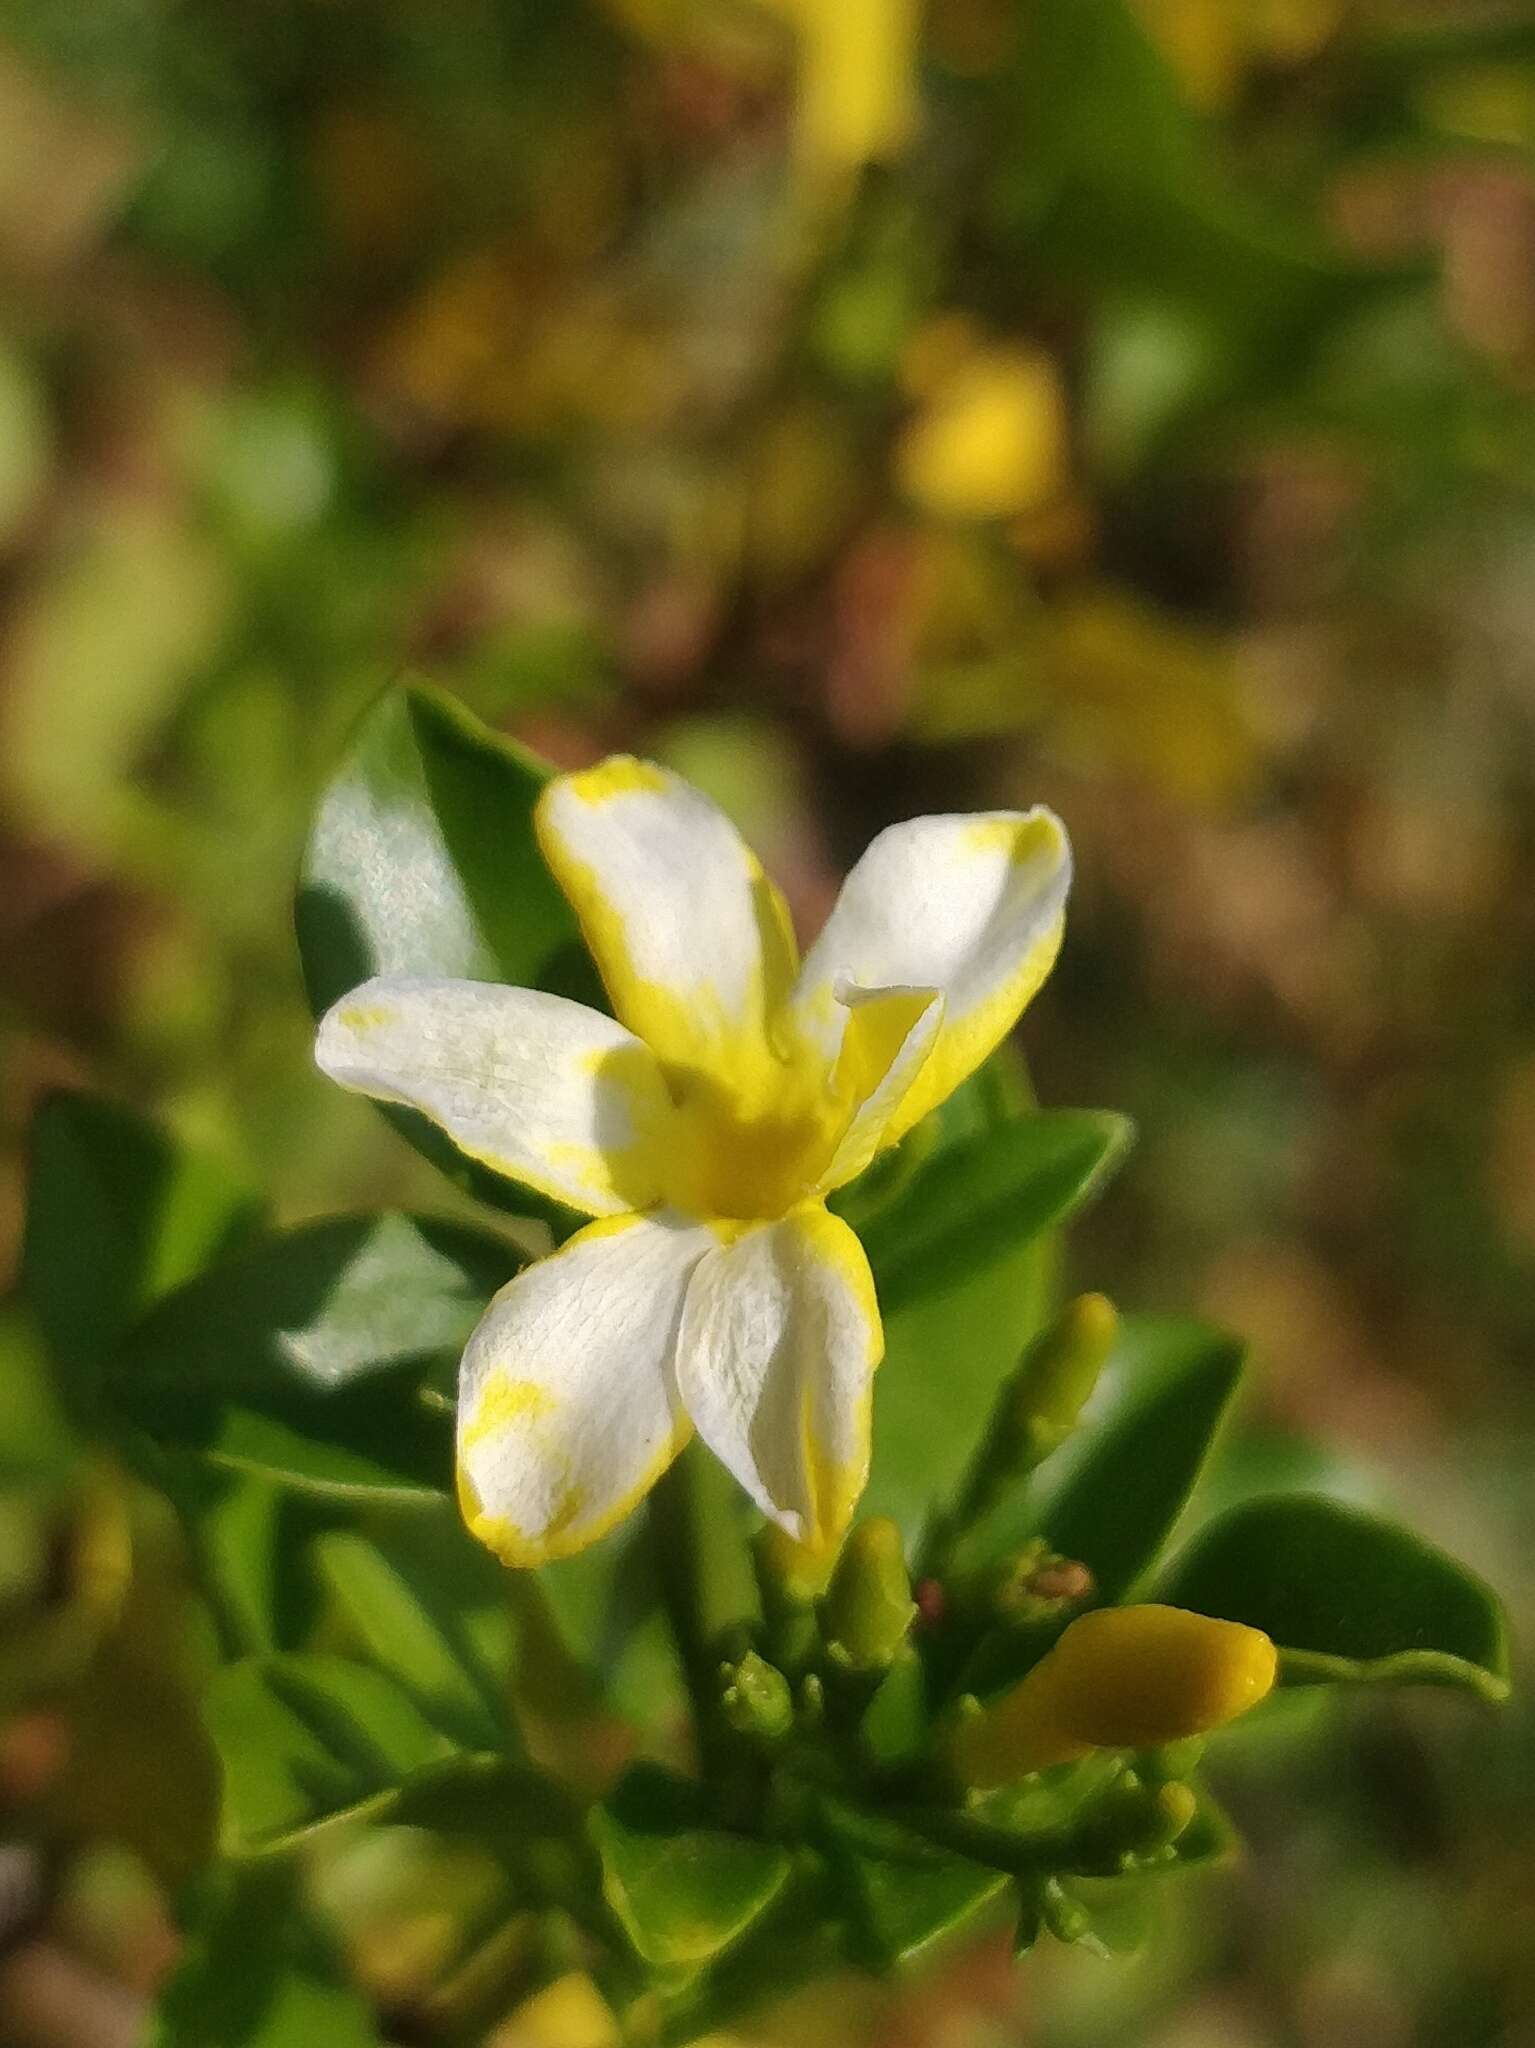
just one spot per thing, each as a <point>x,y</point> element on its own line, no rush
<point>939,1689</point>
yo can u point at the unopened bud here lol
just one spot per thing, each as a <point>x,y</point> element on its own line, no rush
<point>1035,1585</point>
<point>1060,1369</point>
<point>1067,1918</point>
<point>1038,1408</point>
<point>755,1698</point>
<point>868,1609</point>
<point>1138,1822</point>
<point>1119,1678</point>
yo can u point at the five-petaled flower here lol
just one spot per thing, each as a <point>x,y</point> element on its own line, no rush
<point>703,1125</point>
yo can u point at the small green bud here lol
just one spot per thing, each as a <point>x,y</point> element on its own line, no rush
<point>1039,1406</point>
<point>1175,1806</point>
<point>755,1698</point>
<point>1061,1367</point>
<point>1173,1761</point>
<point>1067,1919</point>
<point>1036,1585</point>
<point>1138,1823</point>
<point>868,1609</point>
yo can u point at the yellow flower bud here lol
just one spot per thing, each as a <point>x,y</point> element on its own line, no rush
<point>1119,1678</point>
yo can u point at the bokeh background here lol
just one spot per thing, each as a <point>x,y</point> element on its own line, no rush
<point>868,409</point>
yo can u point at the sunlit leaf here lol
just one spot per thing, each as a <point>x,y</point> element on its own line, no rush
<point>304,1738</point>
<point>683,1888</point>
<point>321,1356</point>
<point>417,1633</point>
<point>907,1894</point>
<point>422,861</point>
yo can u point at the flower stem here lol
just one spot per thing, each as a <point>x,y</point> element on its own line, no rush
<point>674,1544</point>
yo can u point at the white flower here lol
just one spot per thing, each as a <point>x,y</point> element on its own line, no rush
<point>703,1130</point>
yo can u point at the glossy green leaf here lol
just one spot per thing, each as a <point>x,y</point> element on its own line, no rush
<point>319,1356</point>
<point>256,1972</point>
<point>969,1336</point>
<point>422,860</point>
<point>1345,1595</point>
<point>683,1890</point>
<point>306,1738</point>
<point>422,1642</point>
<point>906,1894</point>
<point>1111,1496</point>
<point>988,1194</point>
<point>117,1215</point>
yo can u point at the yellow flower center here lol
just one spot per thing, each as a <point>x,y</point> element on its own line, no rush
<point>752,1157</point>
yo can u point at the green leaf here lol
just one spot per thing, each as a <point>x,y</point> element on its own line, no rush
<point>420,1642</point>
<point>1119,1914</point>
<point>683,1890</point>
<point>1110,1497</point>
<point>307,1738</point>
<point>987,1194</point>
<point>317,1355</point>
<point>527,1821</point>
<point>256,1972</point>
<point>117,1215</point>
<point>422,860</point>
<point>1345,1595</point>
<point>251,1540</point>
<point>971,1335</point>
<point>1139,201</point>
<point>907,1893</point>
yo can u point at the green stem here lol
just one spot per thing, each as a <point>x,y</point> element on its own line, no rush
<point>674,1545</point>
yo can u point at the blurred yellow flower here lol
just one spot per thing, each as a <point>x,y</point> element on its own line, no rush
<point>856,89</point>
<point>990,441</point>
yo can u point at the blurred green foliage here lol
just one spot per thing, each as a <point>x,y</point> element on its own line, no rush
<point>1121,402</point>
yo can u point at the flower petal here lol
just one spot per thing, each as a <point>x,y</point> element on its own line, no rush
<point>692,940</point>
<point>567,1404</point>
<point>971,905</point>
<point>542,1089</point>
<point>886,1042</point>
<point>775,1362</point>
